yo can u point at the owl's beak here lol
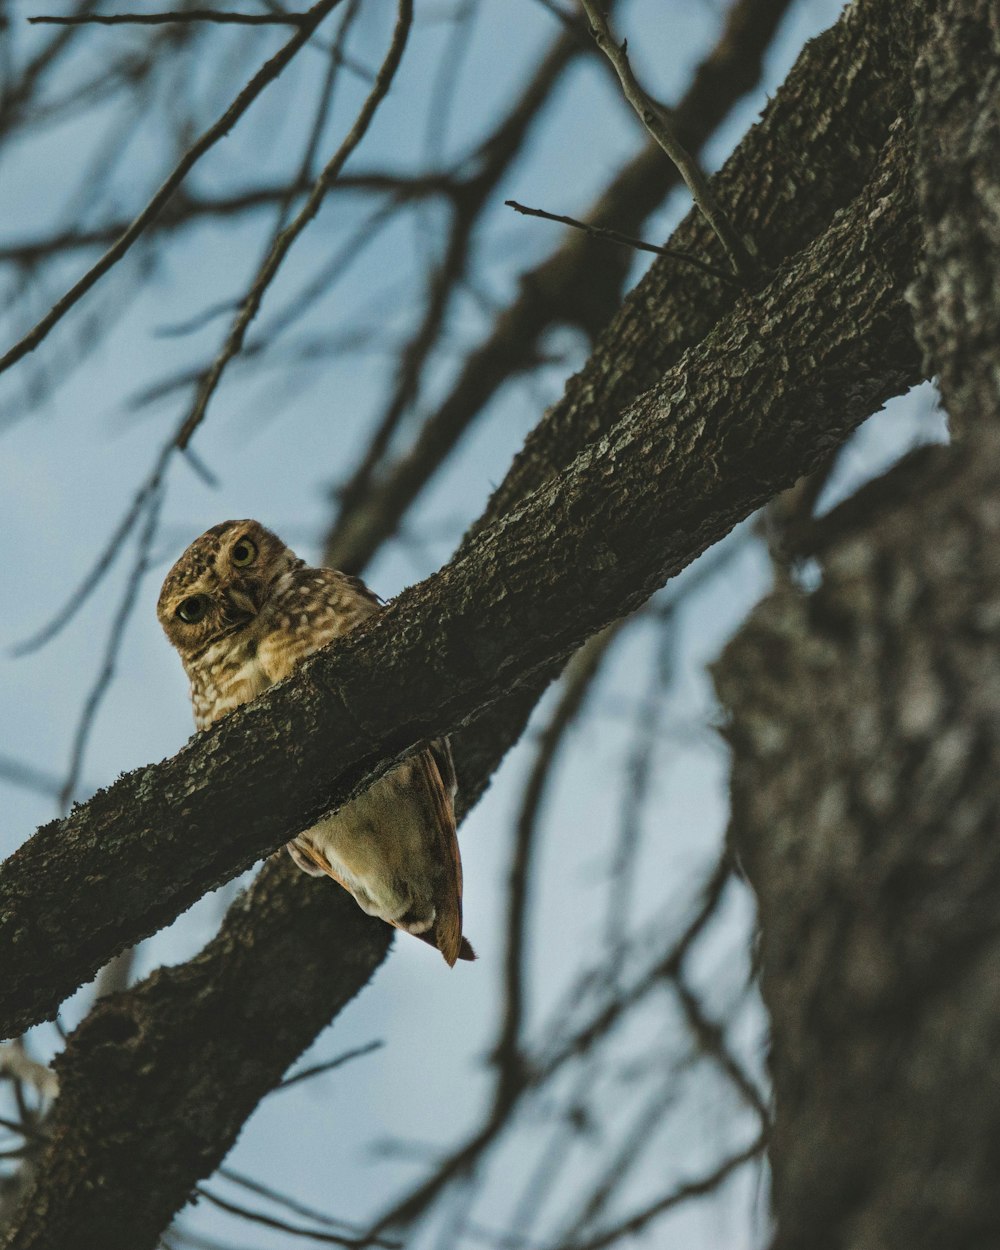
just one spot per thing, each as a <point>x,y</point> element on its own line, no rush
<point>241,601</point>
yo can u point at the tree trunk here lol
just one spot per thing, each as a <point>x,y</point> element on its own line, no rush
<point>865,725</point>
<point>866,749</point>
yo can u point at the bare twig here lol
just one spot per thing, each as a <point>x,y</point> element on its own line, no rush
<point>635,1140</point>
<point>126,607</point>
<point>104,561</point>
<point>560,1047</point>
<point>324,106</point>
<point>711,1041</point>
<point>13,1126</point>
<point>283,1200</point>
<point>457,1164</point>
<point>689,1189</point>
<point>13,97</point>
<point>284,241</point>
<point>638,775</point>
<point>268,72</point>
<point>573,291</point>
<point>330,1065</point>
<point>489,161</point>
<point>626,240</point>
<point>184,15</point>
<point>153,484</point>
<point>654,117</point>
<point>185,209</point>
<point>579,678</point>
<point>28,777</point>
<point>555,1159</point>
<point>295,1230</point>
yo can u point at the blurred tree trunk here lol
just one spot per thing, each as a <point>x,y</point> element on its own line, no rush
<point>865,726</point>
<point>866,739</point>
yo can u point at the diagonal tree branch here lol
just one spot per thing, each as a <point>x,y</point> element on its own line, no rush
<point>660,126</point>
<point>491,739</point>
<point>705,447</point>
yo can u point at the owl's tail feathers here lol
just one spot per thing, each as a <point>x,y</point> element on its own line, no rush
<point>451,951</point>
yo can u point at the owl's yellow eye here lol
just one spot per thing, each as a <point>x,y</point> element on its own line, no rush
<point>244,553</point>
<point>192,609</point>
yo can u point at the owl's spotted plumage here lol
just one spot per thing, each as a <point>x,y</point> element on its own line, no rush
<point>243,611</point>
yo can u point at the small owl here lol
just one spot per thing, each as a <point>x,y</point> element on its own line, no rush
<point>243,611</point>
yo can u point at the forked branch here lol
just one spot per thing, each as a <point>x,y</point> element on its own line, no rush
<point>656,120</point>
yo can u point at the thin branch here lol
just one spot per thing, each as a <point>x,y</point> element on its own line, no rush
<point>575,291</point>
<point>657,122</point>
<point>330,1065</point>
<point>579,678</point>
<point>554,1161</point>
<point>291,1204</point>
<point>689,1189</point>
<point>712,1042</point>
<point>17,773</point>
<point>456,1165</point>
<point>287,237</point>
<point>268,72</point>
<point>626,240</point>
<point>489,161</point>
<point>13,98</point>
<point>161,19</point>
<point>634,1144</point>
<point>295,1230</point>
<point>14,1126</point>
<point>185,209</point>
<point>638,773</point>
<point>559,1049</point>
<point>103,680</point>
<point>184,431</point>
<point>104,561</point>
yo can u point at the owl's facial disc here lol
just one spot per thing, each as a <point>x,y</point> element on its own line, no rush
<point>221,584</point>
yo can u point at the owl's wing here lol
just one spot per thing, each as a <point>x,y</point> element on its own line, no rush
<point>440,748</point>
<point>437,774</point>
<point>439,847</point>
<point>360,588</point>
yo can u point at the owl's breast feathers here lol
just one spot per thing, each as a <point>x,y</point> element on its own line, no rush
<point>306,609</point>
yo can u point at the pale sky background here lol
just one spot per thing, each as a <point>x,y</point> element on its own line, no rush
<point>277,443</point>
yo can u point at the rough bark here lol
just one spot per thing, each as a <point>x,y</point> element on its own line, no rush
<point>136,1102</point>
<point>865,724</point>
<point>790,372</point>
<point>957,300</point>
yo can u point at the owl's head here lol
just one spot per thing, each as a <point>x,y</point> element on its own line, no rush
<point>220,584</point>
